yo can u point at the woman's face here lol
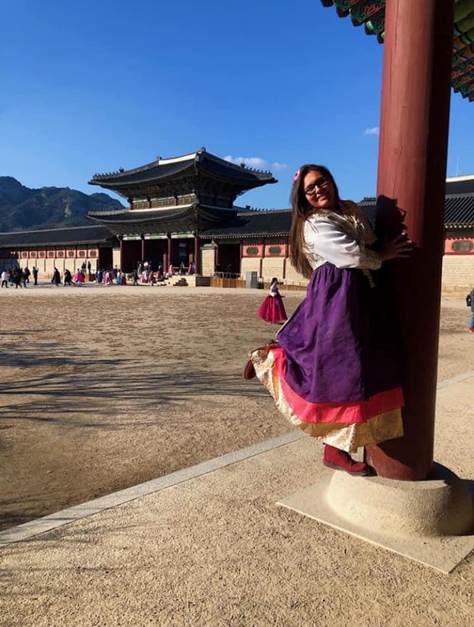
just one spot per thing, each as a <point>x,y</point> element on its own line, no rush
<point>318,190</point>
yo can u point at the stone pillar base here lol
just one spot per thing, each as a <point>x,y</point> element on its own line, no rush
<point>428,521</point>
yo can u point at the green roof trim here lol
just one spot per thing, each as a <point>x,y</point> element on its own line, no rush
<point>371,14</point>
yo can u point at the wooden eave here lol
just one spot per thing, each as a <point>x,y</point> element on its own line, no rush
<point>371,14</point>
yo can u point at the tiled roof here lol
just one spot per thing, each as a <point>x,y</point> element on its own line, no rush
<point>56,237</point>
<point>192,164</point>
<point>372,15</point>
<point>139,216</point>
<point>182,218</point>
<point>253,224</point>
<point>458,210</point>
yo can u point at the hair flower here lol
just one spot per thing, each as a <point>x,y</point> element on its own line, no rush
<point>296,176</point>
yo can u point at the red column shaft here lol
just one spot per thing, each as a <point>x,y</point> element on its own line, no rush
<point>412,171</point>
<point>170,260</point>
<point>197,255</point>
<point>143,248</point>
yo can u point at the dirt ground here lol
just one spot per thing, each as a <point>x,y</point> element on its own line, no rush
<point>103,388</point>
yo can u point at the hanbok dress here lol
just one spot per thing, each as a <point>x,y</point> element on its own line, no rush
<point>334,369</point>
<point>272,309</point>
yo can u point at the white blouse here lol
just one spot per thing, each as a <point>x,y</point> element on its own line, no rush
<point>329,238</point>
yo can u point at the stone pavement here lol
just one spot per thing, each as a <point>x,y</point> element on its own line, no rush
<point>209,546</point>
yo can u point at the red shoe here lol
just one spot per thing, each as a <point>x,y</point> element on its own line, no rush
<point>340,460</point>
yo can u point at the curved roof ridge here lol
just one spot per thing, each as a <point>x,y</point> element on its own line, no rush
<point>234,165</point>
<point>121,172</point>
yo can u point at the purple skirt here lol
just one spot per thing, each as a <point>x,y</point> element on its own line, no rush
<point>340,344</point>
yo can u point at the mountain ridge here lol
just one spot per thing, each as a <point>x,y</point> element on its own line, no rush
<point>25,208</point>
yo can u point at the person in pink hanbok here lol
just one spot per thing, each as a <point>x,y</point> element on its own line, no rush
<point>78,277</point>
<point>272,309</point>
<point>108,278</point>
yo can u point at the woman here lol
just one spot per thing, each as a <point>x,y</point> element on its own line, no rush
<point>272,309</point>
<point>334,369</point>
<point>470,303</point>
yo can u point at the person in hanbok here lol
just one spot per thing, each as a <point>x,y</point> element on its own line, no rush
<point>470,303</point>
<point>79,277</point>
<point>334,369</point>
<point>56,278</point>
<point>108,280</point>
<point>272,309</point>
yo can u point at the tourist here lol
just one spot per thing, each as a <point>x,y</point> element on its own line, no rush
<point>89,268</point>
<point>35,275</point>
<point>56,278</point>
<point>79,277</point>
<point>67,277</point>
<point>170,270</point>
<point>272,309</point>
<point>108,279</point>
<point>23,277</point>
<point>334,369</point>
<point>98,276</point>
<point>470,303</point>
<point>15,278</point>
<point>5,277</point>
<point>135,277</point>
<point>27,275</point>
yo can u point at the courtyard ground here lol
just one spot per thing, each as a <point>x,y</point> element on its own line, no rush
<point>103,388</point>
<point>98,384</point>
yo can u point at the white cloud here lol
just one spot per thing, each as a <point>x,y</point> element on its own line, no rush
<point>373,130</point>
<point>256,162</point>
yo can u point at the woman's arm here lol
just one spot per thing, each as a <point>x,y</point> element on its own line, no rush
<point>326,239</point>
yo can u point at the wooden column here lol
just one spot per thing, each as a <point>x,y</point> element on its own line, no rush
<point>121,251</point>
<point>197,255</point>
<point>169,250</point>
<point>142,237</point>
<point>411,176</point>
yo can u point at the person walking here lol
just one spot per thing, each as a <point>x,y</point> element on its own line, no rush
<point>4,277</point>
<point>470,303</point>
<point>272,309</point>
<point>35,275</point>
<point>56,278</point>
<point>24,277</point>
<point>334,369</point>
<point>67,277</point>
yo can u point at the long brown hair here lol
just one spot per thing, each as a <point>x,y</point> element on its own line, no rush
<point>301,211</point>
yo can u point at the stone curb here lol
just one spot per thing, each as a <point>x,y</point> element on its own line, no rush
<point>47,523</point>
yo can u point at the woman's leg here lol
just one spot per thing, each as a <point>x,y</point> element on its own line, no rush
<point>341,460</point>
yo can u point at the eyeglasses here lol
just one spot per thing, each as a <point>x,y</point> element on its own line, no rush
<point>322,183</point>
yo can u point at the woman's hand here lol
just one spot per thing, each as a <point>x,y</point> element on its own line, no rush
<point>398,247</point>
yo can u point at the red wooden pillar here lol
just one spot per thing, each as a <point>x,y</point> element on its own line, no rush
<point>121,251</point>
<point>197,251</point>
<point>143,248</point>
<point>412,171</point>
<point>170,260</point>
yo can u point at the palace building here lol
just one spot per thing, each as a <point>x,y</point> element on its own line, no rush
<point>173,204</point>
<point>183,210</point>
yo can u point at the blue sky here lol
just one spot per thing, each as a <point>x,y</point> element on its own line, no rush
<point>93,86</point>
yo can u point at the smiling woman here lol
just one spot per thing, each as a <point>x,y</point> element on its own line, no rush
<point>334,369</point>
